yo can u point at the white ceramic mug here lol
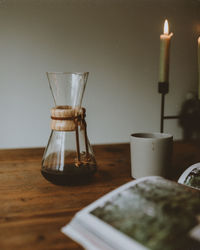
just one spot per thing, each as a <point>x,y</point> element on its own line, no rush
<point>151,154</point>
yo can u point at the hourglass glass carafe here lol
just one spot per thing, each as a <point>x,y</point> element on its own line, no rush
<point>68,157</point>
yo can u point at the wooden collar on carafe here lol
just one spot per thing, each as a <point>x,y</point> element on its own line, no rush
<point>64,118</point>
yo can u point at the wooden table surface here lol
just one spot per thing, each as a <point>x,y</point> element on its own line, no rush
<point>32,210</point>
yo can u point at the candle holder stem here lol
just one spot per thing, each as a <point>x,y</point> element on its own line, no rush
<point>163,89</point>
<point>162,113</point>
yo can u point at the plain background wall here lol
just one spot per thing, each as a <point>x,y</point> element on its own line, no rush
<point>117,41</point>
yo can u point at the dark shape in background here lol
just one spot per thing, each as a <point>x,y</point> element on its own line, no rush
<point>190,117</point>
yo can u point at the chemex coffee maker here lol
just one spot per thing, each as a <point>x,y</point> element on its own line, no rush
<point>68,157</point>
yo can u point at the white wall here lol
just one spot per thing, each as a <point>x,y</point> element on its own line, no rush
<point>116,41</point>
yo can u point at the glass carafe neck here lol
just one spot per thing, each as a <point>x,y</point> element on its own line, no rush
<point>67,87</point>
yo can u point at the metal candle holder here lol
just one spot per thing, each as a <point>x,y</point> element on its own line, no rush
<point>163,89</point>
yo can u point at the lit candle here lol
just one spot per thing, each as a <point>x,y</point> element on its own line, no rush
<point>164,53</point>
<point>199,65</point>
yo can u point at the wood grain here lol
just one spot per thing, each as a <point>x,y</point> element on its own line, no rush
<point>32,210</point>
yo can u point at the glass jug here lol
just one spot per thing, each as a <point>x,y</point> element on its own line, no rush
<point>68,157</point>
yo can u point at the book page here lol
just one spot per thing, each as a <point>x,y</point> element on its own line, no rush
<point>152,212</point>
<point>191,176</point>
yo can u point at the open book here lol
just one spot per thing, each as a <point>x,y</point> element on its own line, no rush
<point>147,213</point>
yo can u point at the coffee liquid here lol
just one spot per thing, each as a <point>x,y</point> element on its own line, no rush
<point>70,175</point>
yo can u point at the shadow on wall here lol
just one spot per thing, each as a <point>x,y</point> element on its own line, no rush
<point>190,117</point>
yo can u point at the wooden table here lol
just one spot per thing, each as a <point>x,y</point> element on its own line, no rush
<point>32,210</point>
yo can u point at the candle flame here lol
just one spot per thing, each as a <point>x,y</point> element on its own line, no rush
<point>166,27</point>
